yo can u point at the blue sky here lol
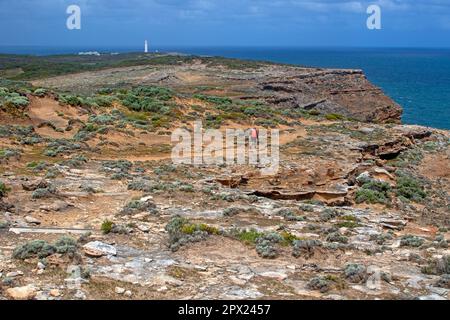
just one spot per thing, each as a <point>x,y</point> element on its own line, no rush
<point>416,23</point>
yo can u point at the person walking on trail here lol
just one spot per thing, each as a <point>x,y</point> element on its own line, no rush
<point>254,135</point>
<point>254,140</point>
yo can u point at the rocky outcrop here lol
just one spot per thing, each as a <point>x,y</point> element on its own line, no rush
<point>327,91</point>
<point>392,148</point>
<point>345,92</point>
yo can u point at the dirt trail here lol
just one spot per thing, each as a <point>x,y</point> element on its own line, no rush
<point>47,114</point>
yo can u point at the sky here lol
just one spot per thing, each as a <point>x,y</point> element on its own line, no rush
<point>190,23</point>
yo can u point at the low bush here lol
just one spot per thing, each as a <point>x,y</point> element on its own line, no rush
<point>107,226</point>
<point>411,241</point>
<point>410,188</point>
<point>320,283</point>
<point>246,236</point>
<point>182,231</point>
<point>337,237</point>
<point>40,92</point>
<point>305,248</point>
<point>438,266</point>
<point>355,273</point>
<point>3,190</point>
<point>266,245</point>
<point>334,117</point>
<point>373,192</point>
<point>213,99</point>
<point>12,98</point>
<point>42,249</point>
<point>137,206</point>
<point>41,193</point>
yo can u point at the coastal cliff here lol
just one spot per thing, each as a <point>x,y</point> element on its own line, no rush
<point>326,91</point>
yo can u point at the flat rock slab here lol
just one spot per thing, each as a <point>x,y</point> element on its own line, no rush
<point>20,230</point>
<point>99,249</point>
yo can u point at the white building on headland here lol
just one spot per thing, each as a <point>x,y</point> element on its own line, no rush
<point>146,46</point>
<point>89,53</point>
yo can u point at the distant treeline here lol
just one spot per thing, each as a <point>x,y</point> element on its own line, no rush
<point>26,67</point>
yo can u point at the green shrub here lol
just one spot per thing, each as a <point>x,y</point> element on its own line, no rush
<point>181,232</point>
<point>44,192</point>
<point>410,188</point>
<point>373,192</point>
<point>230,212</point>
<point>17,100</point>
<point>10,153</point>
<point>355,273</point>
<point>40,92</point>
<point>165,169</point>
<point>213,99</point>
<point>59,146</point>
<point>71,100</point>
<point>148,99</point>
<point>191,228</point>
<point>207,228</point>
<point>408,158</point>
<point>3,190</point>
<point>370,196</point>
<point>438,266</point>
<point>213,121</point>
<point>137,116</point>
<point>328,214</point>
<point>3,92</point>
<point>104,101</point>
<point>266,245</point>
<point>186,188</point>
<point>75,162</point>
<point>137,206</point>
<point>4,225</point>
<point>319,283</point>
<point>411,241</point>
<point>267,123</point>
<point>107,226</point>
<point>102,119</point>
<point>246,236</point>
<point>161,93</point>
<point>290,215</point>
<point>334,117</point>
<point>66,245</point>
<point>41,249</point>
<point>337,237</point>
<point>35,248</point>
<point>348,222</point>
<point>288,238</point>
<point>305,248</point>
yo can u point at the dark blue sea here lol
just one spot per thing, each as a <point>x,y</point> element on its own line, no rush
<point>418,79</point>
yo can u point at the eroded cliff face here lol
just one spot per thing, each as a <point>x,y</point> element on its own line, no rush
<point>345,92</point>
<point>327,91</point>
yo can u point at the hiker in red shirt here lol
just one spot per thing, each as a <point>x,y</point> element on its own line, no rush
<point>254,135</point>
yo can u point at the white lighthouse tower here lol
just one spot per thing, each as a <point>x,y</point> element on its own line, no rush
<point>146,46</point>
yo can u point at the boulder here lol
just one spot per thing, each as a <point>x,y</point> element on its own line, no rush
<point>35,184</point>
<point>21,293</point>
<point>32,220</point>
<point>56,206</point>
<point>98,249</point>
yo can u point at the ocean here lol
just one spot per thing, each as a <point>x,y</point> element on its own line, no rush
<point>417,79</point>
